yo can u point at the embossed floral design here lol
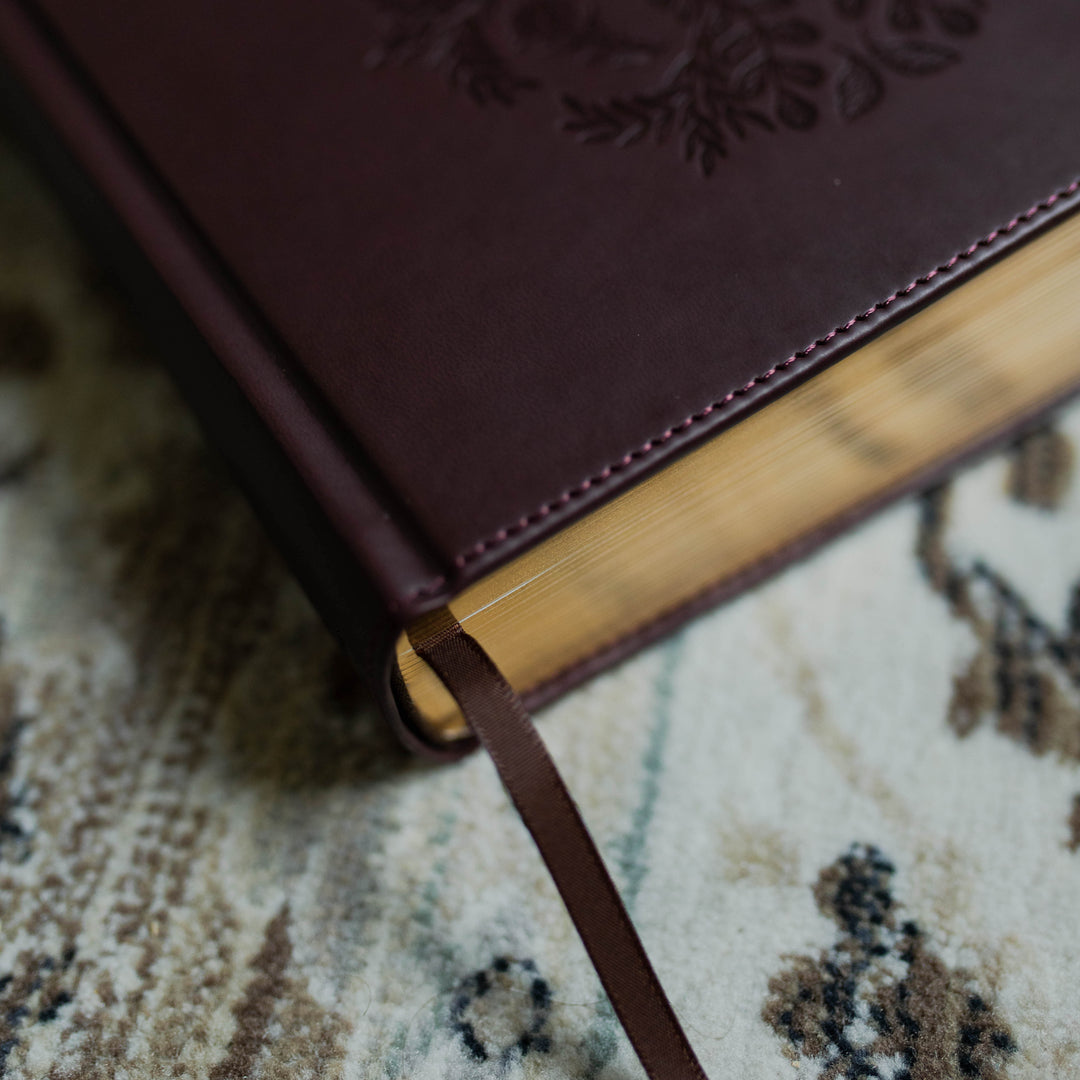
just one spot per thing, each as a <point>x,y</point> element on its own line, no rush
<point>737,72</point>
<point>859,84</point>
<point>453,36</point>
<point>741,69</point>
<point>742,65</point>
<point>907,15</point>
<point>563,26</point>
<point>457,36</point>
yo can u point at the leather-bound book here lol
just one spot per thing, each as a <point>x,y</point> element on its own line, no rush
<point>536,326</point>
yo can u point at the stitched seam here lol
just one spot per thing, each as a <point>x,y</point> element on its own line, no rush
<point>765,567</point>
<point>429,589</point>
<point>503,535</point>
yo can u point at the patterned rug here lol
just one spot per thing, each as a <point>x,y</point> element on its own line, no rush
<point>844,810</point>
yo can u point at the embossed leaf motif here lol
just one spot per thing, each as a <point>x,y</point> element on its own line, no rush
<point>904,15</point>
<point>795,32</point>
<point>546,20</point>
<point>914,57</point>
<point>450,36</point>
<point>481,71</point>
<point>561,25</point>
<point>744,65</point>
<point>735,52</point>
<point>751,83</point>
<point>858,87</point>
<point>801,72</point>
<point>620,122</point>
<point>956,20</point>
<point>796,111</point>
<point>736,73</point>
<point>909,16</point>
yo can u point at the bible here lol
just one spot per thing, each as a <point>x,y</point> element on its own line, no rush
<point>546,325</point>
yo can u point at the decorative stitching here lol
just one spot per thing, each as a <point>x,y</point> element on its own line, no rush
<point>718,590</point>
<point>429,589</point>
<point>499,538</point>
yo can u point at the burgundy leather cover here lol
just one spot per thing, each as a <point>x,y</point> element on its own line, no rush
<point>481,264</point>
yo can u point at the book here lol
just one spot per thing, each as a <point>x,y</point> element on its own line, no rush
<point>559,322</point>
<point>479,270</point>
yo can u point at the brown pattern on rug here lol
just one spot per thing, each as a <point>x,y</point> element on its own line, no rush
<point>1041,468</point>
<point>13,836</point>
<point>33,994</point>
<point>880,1002</point>
<point>194,582</point>
<point>1074,825</point>
<point>1024,678</point>
<point>39,982</point>
<point>108,828</point>
<point>281,1032</point>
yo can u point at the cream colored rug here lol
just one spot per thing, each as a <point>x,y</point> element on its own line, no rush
<point>844,811</point>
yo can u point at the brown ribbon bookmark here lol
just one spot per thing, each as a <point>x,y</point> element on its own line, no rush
<point>499,720</point>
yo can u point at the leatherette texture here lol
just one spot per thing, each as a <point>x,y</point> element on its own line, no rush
<point>500,325</point>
